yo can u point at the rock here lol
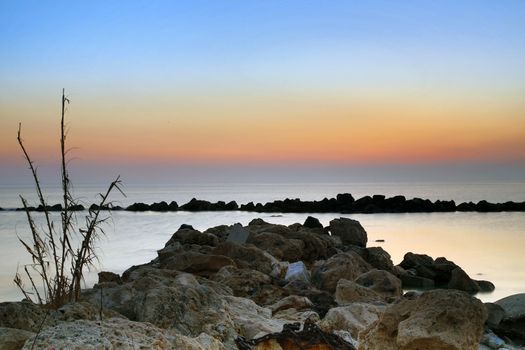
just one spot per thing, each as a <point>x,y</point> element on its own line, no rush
<point>238,234</point>
<point>326,274</point>
<point>281,248</point>
<point>513,323</point>
<point>485,286</point>
<point>348,292</point>
<point>382,282</point>
<point>116,333</point>
<point>13,339</point>
<point>105,276</point>
<point>312,222</point>
<point>495,314</point>
<point>23,315</point>
<point>190,236</point>
<point>243,282</point>
<point>461,281</point>
<point>408,281</point>
<point>353,318</point>
<point>438,319</point>
<point>246,256</point>
<point>186,227</point>
<point>350,231</point>
<point>297,271</point>
<point>421,263</point>
<point>379,258</point>
<point>315,246</point>
<point>292,301</point>
<point>193,262</point>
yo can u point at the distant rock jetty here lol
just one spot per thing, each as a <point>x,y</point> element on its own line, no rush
<point>343,203</point>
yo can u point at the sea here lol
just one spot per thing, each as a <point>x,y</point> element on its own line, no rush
<point>488,246</point>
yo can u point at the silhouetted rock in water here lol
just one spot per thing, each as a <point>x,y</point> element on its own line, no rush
<point>312,222</point>
<point>173,206</point>
<point>160,206</point>
<point>485,286</point>
<point>186,227</point>
<point>350,231</point>
<point>196,205</point>
<point>138,207</point>
<point>419,268</point>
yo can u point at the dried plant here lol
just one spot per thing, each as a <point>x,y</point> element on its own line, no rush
<point>56,264</point>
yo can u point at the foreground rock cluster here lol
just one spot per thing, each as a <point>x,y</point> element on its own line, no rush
<point>267,286</point>
<point>343,203</point>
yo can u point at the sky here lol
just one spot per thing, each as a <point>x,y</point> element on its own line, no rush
<point>281,90</point>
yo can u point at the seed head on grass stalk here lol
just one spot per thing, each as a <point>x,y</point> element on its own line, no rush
<point>55,262</point>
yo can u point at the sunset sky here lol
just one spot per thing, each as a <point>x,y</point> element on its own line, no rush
<point>337,87</point>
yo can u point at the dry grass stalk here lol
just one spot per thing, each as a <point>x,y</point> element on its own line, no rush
<point>58,265</point>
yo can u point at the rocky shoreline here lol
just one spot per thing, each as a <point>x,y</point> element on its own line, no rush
<point>344,203</point>
<point>269,286</point>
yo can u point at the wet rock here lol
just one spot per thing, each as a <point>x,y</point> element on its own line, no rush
<point>421,263</point>
<point>186,227</point>
<point>326,274</point>
<point>461,281</point>
<point>485,286</point>
<point>350,231</point>
<point>312,222</point>
<point>438,319</point>
<point>381,282</point>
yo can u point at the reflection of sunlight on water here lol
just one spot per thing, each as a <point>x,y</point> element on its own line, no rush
<point>490,244</point>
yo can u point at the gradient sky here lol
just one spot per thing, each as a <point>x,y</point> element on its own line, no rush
<point>325,86</point>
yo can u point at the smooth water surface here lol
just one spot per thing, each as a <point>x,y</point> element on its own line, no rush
<point>487,245</point>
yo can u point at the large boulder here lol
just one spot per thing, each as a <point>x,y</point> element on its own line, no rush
<point>190,236</point>
<point>348,292</point>
<point>247,256</point>
<point>381,282</point>
<point>315,246</point>
<point>243,282</point>
<point>280,247</point>
<point>438,320</point>
<point>353,318</point>
<point>350,231</point>
<point>349,265</point>
<point>513,323</point>
<point>116,333</point>
<point>379,258</point>
<point>461,281</point>
<point>23,315</point>
<point>193,262</point>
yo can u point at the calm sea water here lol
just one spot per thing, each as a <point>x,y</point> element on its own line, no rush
<point>487,245</point>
